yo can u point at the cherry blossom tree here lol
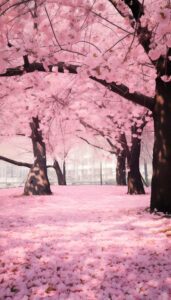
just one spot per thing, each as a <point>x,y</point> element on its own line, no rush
<point>152,29</point>
<point>123,147</point>
<point>121,131</point>
<point>30,121</point>
<point>37,182</point>
<point>42,116</point>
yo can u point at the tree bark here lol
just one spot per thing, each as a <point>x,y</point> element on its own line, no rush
<point>135,184</point>
<point>64,172</point>
<point>134,179</point>
<point>61,175</point>
<point>121,168</point>
<point>161,179</point>
<point>37,182</point>
<point>146,174</point>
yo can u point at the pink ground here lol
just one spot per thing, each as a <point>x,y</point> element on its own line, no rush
<point>87,243</point>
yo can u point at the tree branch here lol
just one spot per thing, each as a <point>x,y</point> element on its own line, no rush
<point>50,166</point>
<point>19,163</point>
<point>136,7</point>
<point>94,145</point>
<point>137,10</point>
<point>123,91</point>
<point>14,162</point>
<point>35,66</point>
<point>119,89</point>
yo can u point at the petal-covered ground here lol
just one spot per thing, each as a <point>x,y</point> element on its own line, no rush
<point>83,243</point>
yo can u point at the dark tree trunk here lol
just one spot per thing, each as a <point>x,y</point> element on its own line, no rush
<point>121,168</point>
<point>37,181</point>
<point>61,176</point>
<point>135,184</point>
<point>64,172</point>
<point>161,180</point>
<point>146,174</point>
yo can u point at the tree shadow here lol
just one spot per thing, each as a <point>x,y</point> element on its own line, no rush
<point>143,275</point>
<point>83,255</point>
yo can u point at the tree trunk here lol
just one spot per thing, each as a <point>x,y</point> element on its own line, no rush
<point>121,168</point>
<point>135,184</point>
<point>61,176</point>
<point>101,173</point>
<point>64,172</point>
<point>161,180</point>
<point>37,181</point>
<point>146,174</point>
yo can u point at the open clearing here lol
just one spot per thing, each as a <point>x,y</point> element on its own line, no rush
<point>83,243</point>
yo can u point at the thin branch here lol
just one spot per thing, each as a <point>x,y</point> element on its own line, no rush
<point>86,42</point>
<point>88,14</point>
<point>14,162</point>
<point>137,8</point>
<point>53,31</point>
<point>110,22</point>
<point>116,43</point>
<point>50,22</point>
<point>14,5</point>
<point>94,145</point>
